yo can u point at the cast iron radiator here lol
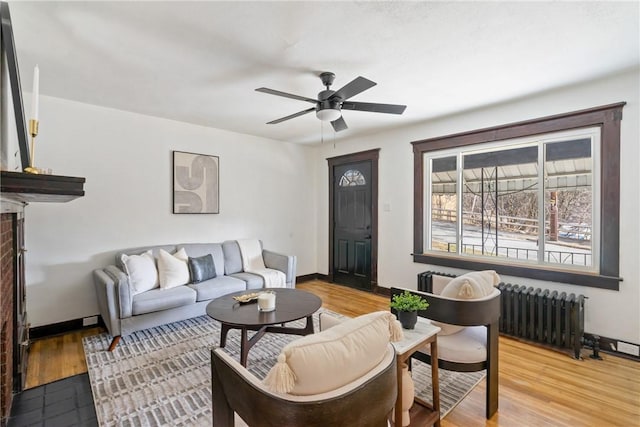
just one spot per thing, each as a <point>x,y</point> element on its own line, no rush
<point>540,315</point>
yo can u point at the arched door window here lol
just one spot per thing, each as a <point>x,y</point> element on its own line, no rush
<point>352,178</point>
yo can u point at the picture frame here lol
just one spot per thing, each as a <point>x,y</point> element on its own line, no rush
<point>196,183</point>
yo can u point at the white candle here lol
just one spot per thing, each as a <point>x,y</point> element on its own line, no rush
<point>35,93</point>
<point>267,301</point>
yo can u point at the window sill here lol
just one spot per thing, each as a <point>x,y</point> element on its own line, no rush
<point>539,273</point>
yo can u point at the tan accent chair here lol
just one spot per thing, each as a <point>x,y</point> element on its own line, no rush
<point>327,387</point>
<point>472,344</point>
<point>364,402</point>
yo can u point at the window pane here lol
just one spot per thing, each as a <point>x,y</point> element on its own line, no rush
<point>352,178</point>
<point>505,212</point>
<point>444,204</point>
<point>569,202</point>
<point>500,197</point>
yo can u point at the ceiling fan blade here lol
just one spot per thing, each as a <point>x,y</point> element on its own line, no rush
<point>339,124</point>
<point>299,113</point>
<point>356,86</point>
<point>373,107</point>
<point>286,95</point>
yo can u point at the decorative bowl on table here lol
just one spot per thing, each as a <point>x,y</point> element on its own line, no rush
<point>247,298</point>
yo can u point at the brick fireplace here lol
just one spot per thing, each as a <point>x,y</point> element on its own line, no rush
<point>7,310</point>
<point>14,332</point>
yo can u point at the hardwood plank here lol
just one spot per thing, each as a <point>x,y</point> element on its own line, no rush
<point>538,386</point>
<point>57,357</point>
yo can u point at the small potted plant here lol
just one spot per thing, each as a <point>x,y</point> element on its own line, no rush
<point>407,305</point>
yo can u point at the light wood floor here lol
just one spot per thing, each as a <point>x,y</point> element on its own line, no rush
<point>538,387</point>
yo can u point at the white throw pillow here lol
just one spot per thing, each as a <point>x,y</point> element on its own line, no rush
<point>173,269</point>
<point>474,285</point>
<point>487,279</point>
<point>325,361</point>
<point>142,272</point>
<point>327,321</point>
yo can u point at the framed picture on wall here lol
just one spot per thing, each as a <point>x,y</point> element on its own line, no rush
<point>196,183</point>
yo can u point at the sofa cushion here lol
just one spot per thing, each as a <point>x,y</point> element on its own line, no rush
<point>142,272</point>
<point>162,299</point>
<point>201,268</point>
<point>325,361</point>
<point>172,269</point>
<point>232,257</point>
<point>214,288</point>
<point>253,280</point>
<point>155,250</point>
<point>467,346</point>
<point>195,250</point>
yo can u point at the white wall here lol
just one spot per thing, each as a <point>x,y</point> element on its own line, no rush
<point>267,191</point>
<point>608,313</point>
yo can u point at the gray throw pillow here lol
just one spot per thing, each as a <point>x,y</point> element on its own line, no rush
<point>201,268</point>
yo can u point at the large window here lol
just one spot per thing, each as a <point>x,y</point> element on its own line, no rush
<point>522,201</point>
<point>538,199</point>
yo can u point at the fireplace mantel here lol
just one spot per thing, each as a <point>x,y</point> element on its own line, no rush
<point>27,188</point>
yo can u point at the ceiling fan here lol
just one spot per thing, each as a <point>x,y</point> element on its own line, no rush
<point>330,103</point>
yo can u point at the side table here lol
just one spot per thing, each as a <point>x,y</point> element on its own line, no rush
<point>423,334</point>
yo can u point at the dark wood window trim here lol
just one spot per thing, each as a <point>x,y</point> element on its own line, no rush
<point>373,156</point>
<point>608,118</point>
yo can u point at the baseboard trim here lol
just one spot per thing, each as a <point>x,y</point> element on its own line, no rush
<point>608,345</point>
<point>310,277</point>
<point>61,328</point>
<point>376,289</point>
<point>379,290</point>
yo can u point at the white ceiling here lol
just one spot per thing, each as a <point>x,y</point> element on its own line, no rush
<point>199,62</point>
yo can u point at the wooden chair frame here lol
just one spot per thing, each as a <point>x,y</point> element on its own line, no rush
<point>466,313</point>
<point>367,405</point>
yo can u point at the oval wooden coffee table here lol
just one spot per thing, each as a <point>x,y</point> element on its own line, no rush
<point>291,304</point>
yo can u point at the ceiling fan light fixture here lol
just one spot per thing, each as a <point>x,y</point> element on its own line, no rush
<point>328,114</point>
<point>329,103</point>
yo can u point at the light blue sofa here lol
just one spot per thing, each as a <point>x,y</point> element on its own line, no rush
<point>124,312</point>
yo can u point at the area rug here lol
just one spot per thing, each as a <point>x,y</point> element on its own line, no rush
<point>162,376</point>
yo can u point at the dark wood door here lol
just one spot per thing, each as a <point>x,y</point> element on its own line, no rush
<point>352,197</point>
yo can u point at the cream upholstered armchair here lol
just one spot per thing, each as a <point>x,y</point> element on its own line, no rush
<point>467,309</point>
<point>342,376</point>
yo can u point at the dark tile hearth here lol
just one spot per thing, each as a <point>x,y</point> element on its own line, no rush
<point>62,403</point>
